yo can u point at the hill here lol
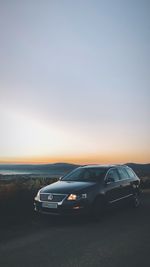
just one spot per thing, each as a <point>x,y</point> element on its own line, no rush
<point>37,168</point>
<point>141,170</point>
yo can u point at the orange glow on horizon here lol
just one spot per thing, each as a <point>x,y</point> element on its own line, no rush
<point>82,159</point>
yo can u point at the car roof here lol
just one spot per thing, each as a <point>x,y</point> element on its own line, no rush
<point>107,166</point>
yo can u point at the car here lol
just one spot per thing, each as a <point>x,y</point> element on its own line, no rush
<point>89,189</point>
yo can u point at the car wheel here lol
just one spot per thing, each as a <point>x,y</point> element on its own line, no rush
<point>136,200</point>
<point>98,208</point>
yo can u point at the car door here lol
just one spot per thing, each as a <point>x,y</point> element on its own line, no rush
<point>125,182</point>
<point>113,188</point>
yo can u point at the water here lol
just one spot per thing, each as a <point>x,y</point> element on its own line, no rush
<point>13,172</point>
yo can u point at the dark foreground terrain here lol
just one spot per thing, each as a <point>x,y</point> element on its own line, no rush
<point>120,239</point>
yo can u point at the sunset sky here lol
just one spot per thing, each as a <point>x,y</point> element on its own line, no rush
<point>75,81</point>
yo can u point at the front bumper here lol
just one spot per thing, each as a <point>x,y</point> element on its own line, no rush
<point>65,208</point>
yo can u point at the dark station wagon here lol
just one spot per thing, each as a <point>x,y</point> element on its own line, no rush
<point>89,189</point>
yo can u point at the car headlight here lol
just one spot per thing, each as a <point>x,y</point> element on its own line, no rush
<point>76,197</point>
<point>37,198</point>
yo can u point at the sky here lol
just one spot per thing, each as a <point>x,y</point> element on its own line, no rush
<point>74,81</point>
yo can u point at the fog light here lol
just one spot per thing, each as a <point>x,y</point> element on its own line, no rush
<point>76,208</point>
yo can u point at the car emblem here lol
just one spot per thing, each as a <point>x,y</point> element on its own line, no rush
<point>50,196</point>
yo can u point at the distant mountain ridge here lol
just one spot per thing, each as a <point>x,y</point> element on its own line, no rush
<point>38,167</point>
<point>140,169</point>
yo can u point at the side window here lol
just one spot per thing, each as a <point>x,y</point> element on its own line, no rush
<point>112,175</point>
<point>123,173</point>
<point>131,173</point>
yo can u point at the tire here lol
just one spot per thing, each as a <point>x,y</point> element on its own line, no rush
<point>136,201</point>
<point>98,208</point>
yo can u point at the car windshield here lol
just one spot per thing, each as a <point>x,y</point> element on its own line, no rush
<point>86,174</point>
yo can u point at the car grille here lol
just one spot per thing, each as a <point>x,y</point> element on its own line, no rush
<point>56,197</point>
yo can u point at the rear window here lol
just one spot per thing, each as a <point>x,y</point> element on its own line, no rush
<point>131,173</point>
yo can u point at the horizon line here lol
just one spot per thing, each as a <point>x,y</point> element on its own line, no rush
<point>72,163</point>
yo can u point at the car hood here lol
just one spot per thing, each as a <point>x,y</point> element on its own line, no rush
<point>67,187</point>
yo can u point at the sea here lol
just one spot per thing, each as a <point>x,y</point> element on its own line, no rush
<point>13,172</point>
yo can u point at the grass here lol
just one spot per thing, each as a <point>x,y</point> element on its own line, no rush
<point>17,197</point>
<point>19,185</point>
